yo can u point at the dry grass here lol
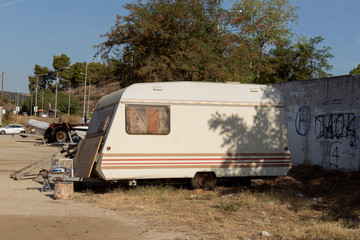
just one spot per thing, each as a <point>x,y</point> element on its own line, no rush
<point>308,204</point>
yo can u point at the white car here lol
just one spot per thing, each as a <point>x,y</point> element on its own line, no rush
<point>12,128</point>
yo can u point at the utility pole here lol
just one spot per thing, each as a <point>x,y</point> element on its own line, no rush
<point>17,105</point>
<point>2,89</point>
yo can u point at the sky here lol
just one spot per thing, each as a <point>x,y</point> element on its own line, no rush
<point>33,31</point>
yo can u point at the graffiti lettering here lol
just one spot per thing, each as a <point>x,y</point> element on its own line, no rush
<point>332,102</point>
<point>335,126</point>
<point>303,121</point>
<point>334,156</point>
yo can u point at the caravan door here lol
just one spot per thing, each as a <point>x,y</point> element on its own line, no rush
<point>89,148</point>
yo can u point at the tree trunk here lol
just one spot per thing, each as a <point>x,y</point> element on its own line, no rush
<point>64,190</point>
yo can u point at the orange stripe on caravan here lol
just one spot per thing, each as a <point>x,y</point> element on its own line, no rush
<point>199,166</point>
<point>195,159</point>
<point>129,162</point>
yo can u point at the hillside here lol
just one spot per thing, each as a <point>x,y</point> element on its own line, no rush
<point>95,94</point>
<point>10,98</point>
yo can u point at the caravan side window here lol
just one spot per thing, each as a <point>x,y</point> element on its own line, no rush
<point>100,121</point>
<point>142,119</point>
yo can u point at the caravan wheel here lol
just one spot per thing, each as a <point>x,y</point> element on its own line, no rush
<point>206,181</point>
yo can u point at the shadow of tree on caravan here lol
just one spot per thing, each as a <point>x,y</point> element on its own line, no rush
<point>254,138</point>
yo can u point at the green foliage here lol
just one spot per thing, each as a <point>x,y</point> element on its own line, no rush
<point>173,40</point>
<point>300,61</point>
<point>262,24</point>
<point>46,101</point>
<point>208,196</point>
<point>32,83</point>
<point>75,74</point>
<point>63,104</point>
<point>40,78</point>
<point>6,99</point>
<point>7,118</point>
<point>60,62</point>
<point>26,106</point>
<point>116,72</point>
<point>96,72</point>
<point>169,41</point>
<point>38,70</point>
<point>355,70</point>
<point>230,206</point>
<point>186,40</point>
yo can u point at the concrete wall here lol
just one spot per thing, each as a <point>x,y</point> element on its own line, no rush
<point>323,121</point>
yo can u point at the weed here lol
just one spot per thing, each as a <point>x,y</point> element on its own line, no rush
<point>208,196</point>
<point>229,206</point>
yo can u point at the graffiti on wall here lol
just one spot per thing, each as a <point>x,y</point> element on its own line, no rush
<point>327,126</point>
<point>303,121</point>
<point>334,155</point>
<point>324,103</point>
<point>334,127</point>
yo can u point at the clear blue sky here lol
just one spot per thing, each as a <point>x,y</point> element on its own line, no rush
<point>33,31</point>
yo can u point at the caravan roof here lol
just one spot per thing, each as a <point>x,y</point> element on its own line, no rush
<point>194,92</point>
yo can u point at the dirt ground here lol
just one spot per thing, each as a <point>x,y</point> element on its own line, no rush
<point>28,213</point>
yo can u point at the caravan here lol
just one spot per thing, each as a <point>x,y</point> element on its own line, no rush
<point>186,130</point>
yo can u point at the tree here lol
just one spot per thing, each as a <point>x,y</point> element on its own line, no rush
<point>96,72</point>
<point>169,40</point>
<point>116,71</point>
<point>262,24</point>
<point>44,77</point>
<point>355,70</point>
<point>63,104</point>
<point>74,74</point>
<point>40,78</point>
<point>45,100</point>
<point>300,61</point>
<point>61,61</point>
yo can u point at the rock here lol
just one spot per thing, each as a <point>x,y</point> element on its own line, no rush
<point>265,233</point>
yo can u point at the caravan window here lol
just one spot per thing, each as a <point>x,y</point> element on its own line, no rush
<point>147,119</point>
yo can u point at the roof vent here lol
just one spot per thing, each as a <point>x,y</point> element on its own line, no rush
<point>157,88</point>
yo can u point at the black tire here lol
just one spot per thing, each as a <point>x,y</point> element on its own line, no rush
<point>47,135</point>
<point>2,132</point>
<point>22,132</point>
<point>206,181</point>
<point>59,134</point>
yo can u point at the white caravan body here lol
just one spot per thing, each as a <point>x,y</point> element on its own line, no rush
<point>167,130</point>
